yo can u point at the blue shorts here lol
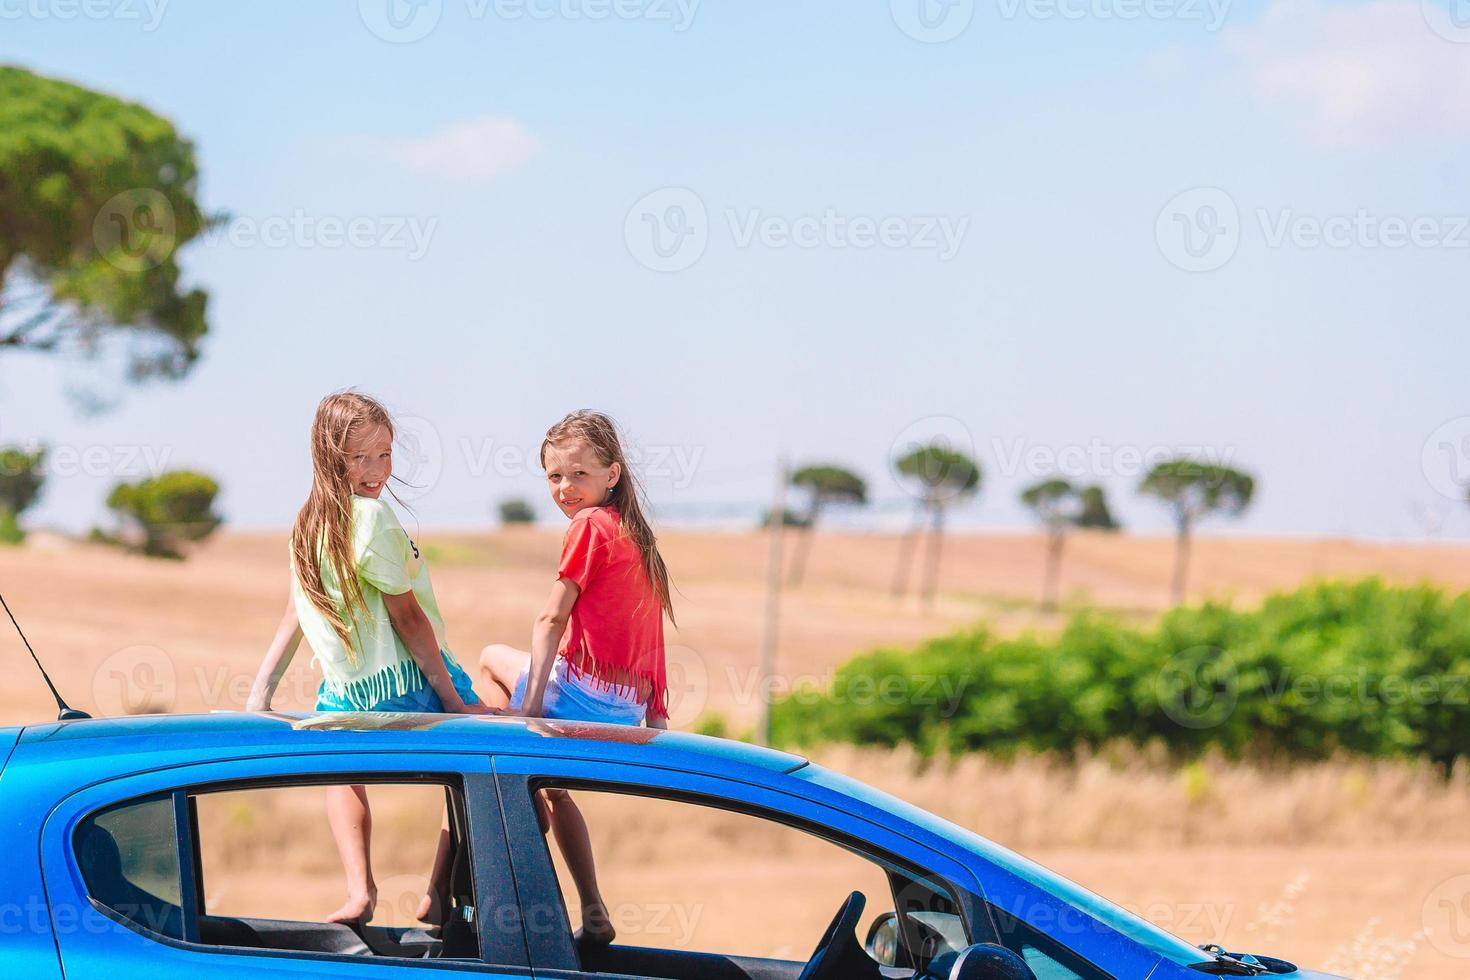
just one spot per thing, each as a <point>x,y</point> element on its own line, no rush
<point>424,700</point>
<point>572,698</point>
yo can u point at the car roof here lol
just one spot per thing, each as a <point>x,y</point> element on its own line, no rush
<point>136,742</point>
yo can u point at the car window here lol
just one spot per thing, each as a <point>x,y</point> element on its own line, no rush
<point>269,853</point>
<point>1047,959</point>
<point>129,860</point>
<point>258,868</point>
<point>693,878</point>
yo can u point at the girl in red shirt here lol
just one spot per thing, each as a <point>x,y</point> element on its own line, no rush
<point>597,648</point>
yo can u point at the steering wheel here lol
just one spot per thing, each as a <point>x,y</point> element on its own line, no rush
<point>838,955</point>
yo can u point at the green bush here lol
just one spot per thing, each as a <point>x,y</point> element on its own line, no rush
<point>517,511</point>
<point>170,510</point>
<point>21,477</point>
<point>1357,666</point>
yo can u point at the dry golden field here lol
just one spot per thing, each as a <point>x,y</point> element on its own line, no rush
<point>1341,864</point>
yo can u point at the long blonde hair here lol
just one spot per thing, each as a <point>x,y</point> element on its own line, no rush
<point>324,524</point>
<point>599,432</point>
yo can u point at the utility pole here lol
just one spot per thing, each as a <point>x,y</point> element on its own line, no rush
<point>773,600</point>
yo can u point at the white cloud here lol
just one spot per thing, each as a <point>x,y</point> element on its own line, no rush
<point>483,148</point>
<point>1371,73</point>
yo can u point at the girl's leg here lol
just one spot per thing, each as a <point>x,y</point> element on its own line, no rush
<point>500,667</point>
<point>352,826</point>
<point>431,909</point>
<point>570,830</point>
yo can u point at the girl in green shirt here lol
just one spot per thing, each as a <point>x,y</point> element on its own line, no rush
<point>360,594</point>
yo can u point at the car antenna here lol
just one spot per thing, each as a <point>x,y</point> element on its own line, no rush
<point>65,711</point>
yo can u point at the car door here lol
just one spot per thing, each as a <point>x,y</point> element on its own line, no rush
<point>121,864</point>
<point>905,869</point>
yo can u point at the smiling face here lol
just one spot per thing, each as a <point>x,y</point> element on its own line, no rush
<point>576,477</point>
<point>369,453</point>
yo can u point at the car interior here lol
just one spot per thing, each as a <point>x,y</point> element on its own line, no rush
<point>133,865</point>
<point>113,871</point>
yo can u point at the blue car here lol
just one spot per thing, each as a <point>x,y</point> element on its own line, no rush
<point>104,876</point>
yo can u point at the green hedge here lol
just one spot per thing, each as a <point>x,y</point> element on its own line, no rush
<point>1359,666</point>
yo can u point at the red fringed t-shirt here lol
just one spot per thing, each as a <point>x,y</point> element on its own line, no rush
<point>616,631</point>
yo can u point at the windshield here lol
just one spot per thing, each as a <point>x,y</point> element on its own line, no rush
<point>1114,916</point>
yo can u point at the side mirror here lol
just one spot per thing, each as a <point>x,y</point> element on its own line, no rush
<point>983,961</point>
<point>882,941</point>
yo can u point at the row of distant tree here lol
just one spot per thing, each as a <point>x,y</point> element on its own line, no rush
<point>942,477</point>
<point>157,516</point>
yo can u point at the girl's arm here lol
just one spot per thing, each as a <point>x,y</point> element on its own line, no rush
<point>277,659</point>
<point>545,638</point>
<point>412,625</point>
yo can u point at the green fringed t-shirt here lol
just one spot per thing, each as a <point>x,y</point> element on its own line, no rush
<point>388,563</point>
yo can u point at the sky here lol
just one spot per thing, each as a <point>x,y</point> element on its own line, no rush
<point>1069,236</point>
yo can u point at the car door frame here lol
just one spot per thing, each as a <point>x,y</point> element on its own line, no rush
<point>497,918</point>
<point>549,944</point>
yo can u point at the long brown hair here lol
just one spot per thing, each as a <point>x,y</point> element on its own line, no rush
<point>324,525</point>
<point>599,433</point>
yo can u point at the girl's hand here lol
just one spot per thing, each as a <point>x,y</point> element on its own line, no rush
<point>463,708</point>
<point>258,701</point>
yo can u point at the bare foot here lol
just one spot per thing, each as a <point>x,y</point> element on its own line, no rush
<point>431,909</point>
<point>597,928</point>
<point>357,909</point>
